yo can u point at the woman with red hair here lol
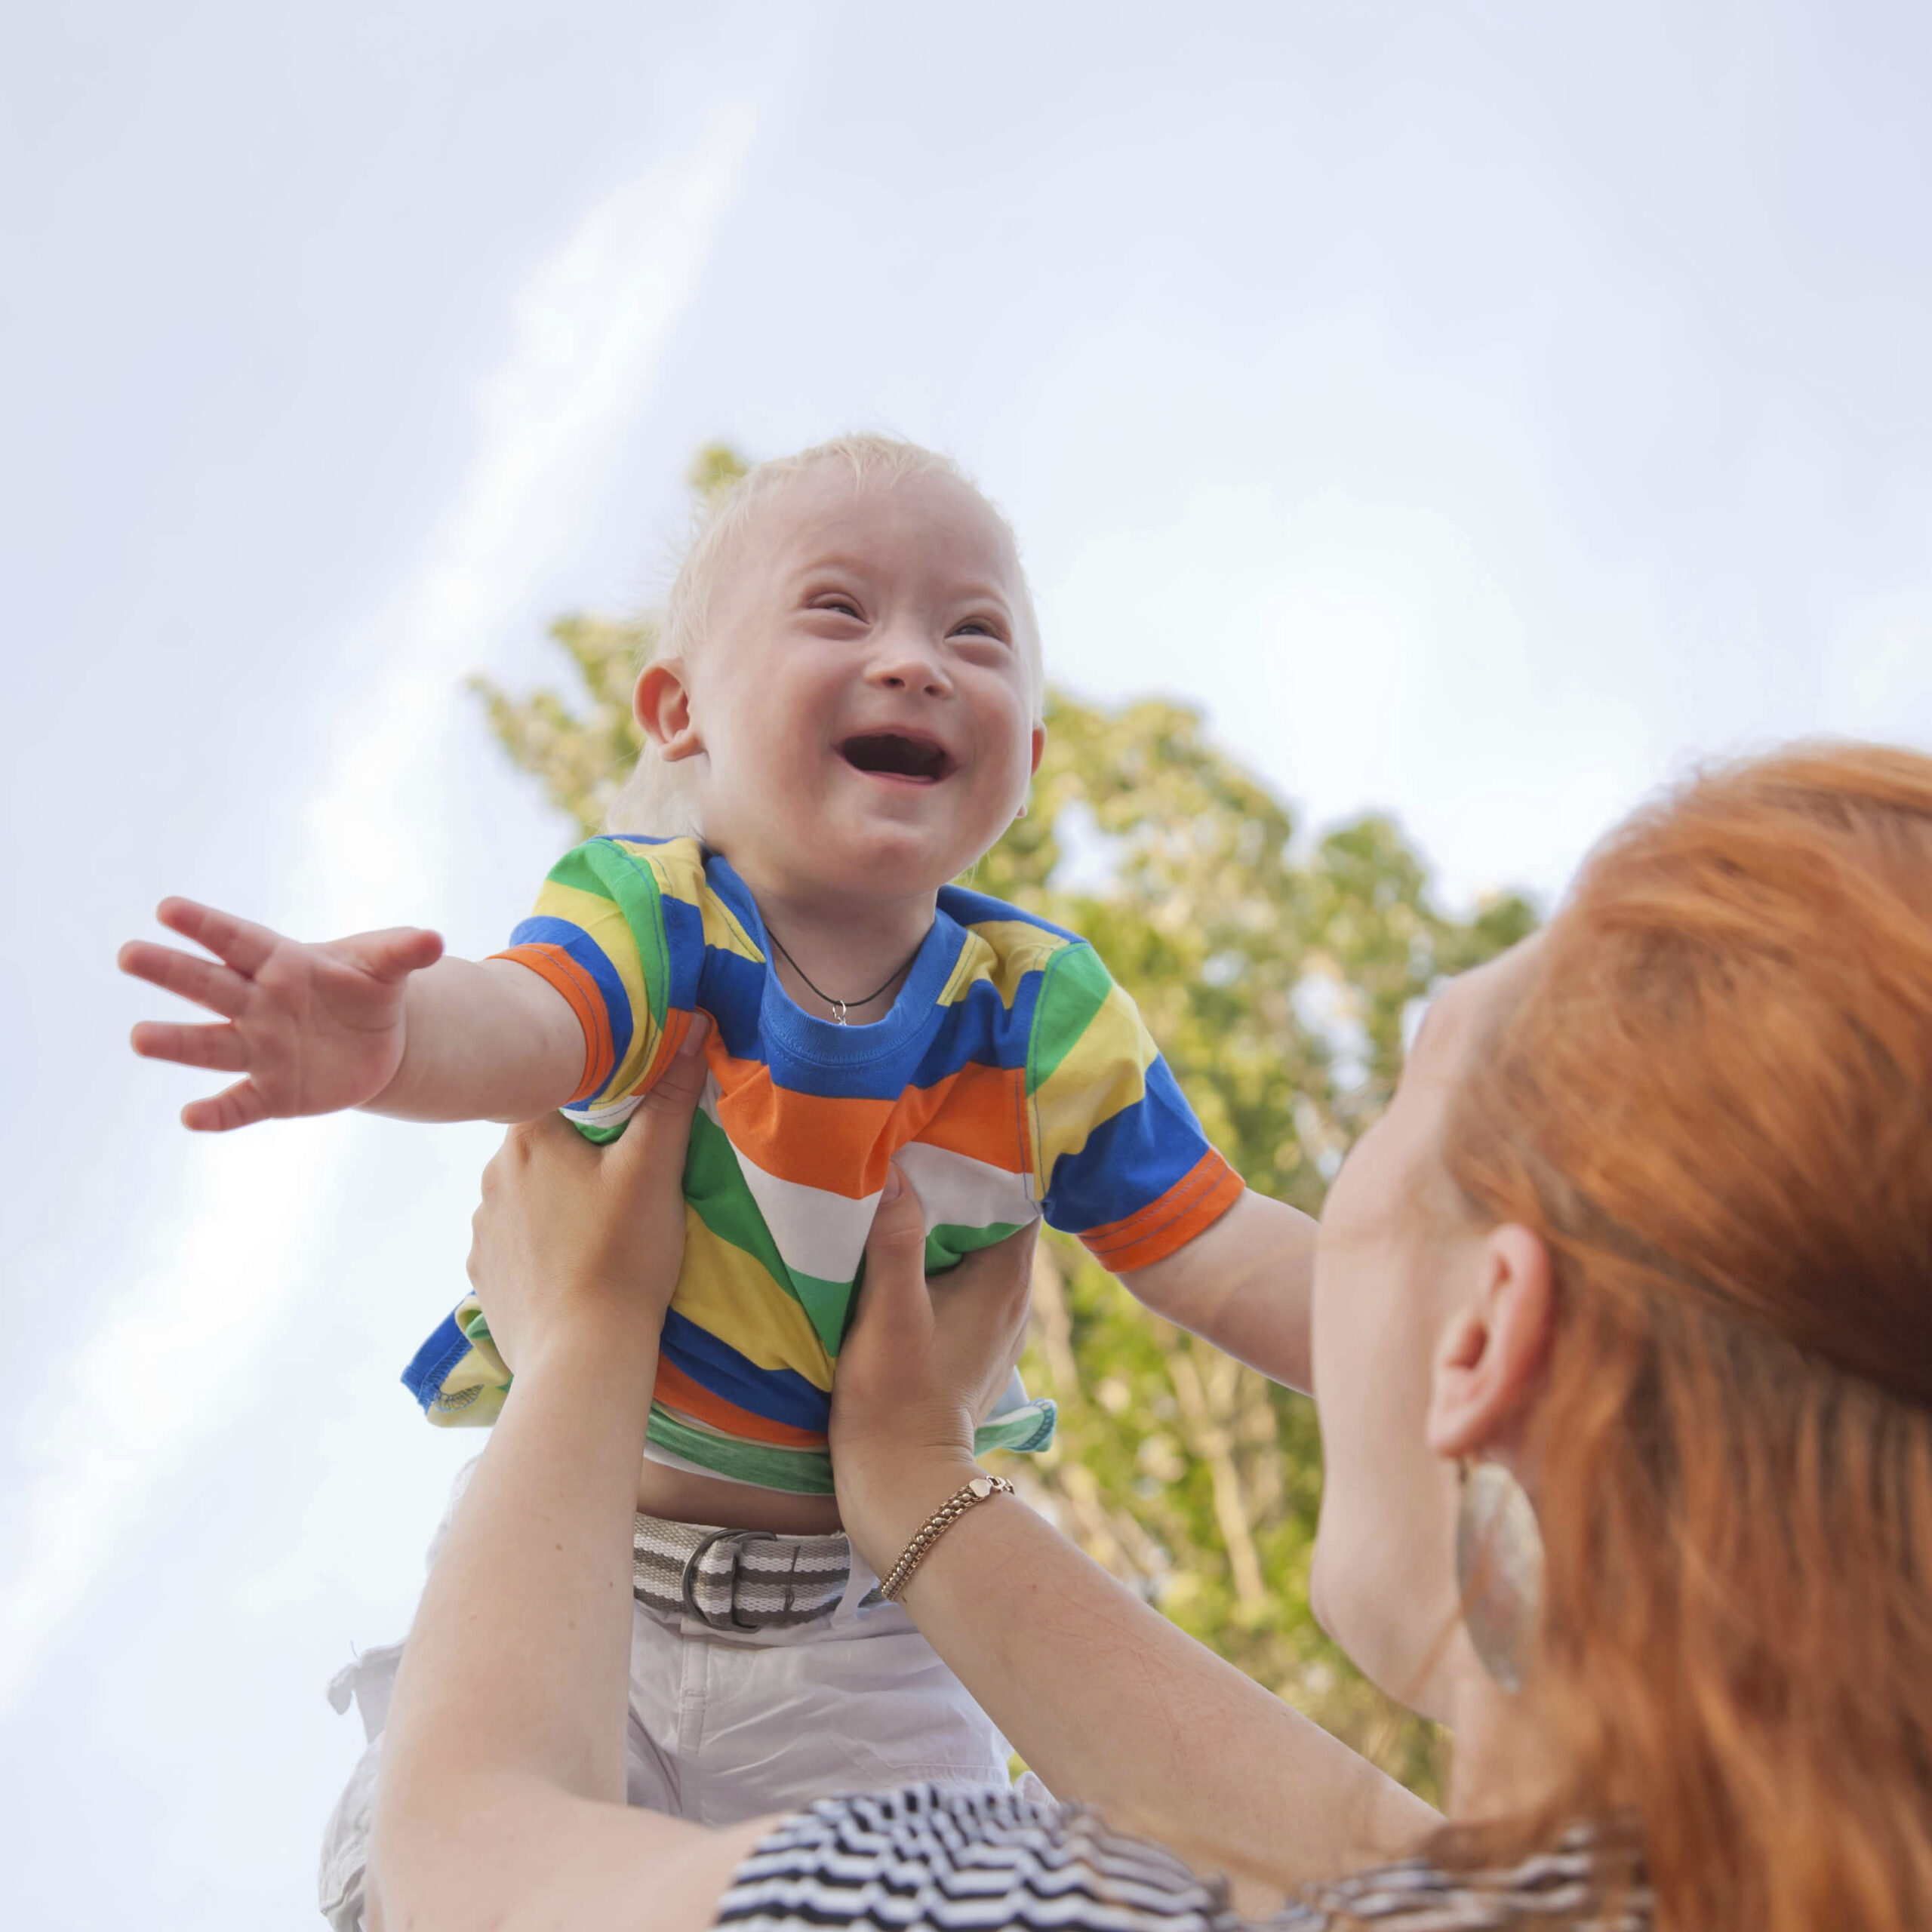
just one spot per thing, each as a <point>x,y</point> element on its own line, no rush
<point>1624,1347</point>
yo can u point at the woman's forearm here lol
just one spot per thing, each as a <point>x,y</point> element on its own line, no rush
<point>501,1799</point>
<point>1115,1707</point>
<point>536,1564</point>
<point>509,1706</point>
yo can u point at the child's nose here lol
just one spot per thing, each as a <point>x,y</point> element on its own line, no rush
<point>911,664</point>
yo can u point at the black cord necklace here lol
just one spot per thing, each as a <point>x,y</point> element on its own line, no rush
<point>840,1007</point>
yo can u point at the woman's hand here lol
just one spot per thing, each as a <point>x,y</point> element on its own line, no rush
<point>921,1368</point>
<point>571,1238</point>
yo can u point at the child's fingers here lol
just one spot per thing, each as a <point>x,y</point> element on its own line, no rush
<point>244,945</point>
<point>398,952</point>
<point>206,984</point>
<point>239,1105</point>
<point>220,1048</point>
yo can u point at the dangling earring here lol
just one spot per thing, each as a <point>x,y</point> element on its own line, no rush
<point>1499,1570</point>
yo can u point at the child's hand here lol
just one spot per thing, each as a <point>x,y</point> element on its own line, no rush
<point>313,1028</point>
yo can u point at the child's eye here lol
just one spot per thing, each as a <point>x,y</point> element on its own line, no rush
<point>843,605</point>
<point>977,627</point>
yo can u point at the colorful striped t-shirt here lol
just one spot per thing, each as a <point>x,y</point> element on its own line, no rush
<point>1011,1078</point>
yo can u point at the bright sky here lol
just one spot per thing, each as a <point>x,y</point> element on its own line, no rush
<point>1482,411</point>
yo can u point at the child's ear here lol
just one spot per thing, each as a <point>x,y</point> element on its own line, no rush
<point>1039,745</point>
<point>662,705</point>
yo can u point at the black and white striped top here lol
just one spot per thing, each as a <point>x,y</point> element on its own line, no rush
<point>929,1858</point>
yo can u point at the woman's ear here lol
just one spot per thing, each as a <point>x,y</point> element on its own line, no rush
<point>662,705</point>
<point>1493,1350</point>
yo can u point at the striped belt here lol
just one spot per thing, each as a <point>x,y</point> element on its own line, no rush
<point>737,1579</point>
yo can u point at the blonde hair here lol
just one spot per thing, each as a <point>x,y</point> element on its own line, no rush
<point>653,800</point>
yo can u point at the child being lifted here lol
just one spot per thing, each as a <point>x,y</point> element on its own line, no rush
<point>843,715</point>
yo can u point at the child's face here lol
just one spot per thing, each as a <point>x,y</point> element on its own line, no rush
<point>862,714</point>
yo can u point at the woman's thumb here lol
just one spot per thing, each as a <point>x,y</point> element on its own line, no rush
<point>896,1251</point>
<point>664,1114</point>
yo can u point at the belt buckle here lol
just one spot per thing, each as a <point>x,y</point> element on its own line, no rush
<point>689,1591</point>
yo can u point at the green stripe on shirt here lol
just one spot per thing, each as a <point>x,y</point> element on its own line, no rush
<point>715,1186</point>
<point>615,873</point>
<point>1073,988</point>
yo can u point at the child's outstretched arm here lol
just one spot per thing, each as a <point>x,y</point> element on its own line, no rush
<point>379,1020</point>
<point>1245,1283</point>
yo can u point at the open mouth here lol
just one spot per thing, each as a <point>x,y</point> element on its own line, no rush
<point>897,754</point>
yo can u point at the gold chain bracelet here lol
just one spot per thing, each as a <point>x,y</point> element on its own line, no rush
<point>942,1519</point>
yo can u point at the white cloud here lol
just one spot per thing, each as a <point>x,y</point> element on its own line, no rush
<point>589,332</point>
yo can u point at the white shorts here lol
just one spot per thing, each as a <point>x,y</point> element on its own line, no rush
<point>727,1725</point>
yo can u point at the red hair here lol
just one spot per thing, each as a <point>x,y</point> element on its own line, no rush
<point>1712,1099</point>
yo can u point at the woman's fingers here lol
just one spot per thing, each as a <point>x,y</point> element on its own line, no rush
<point>1000,1275</point>
<point>528,1139</point>
<point>532,1151</point>
<point>991,1289</point>
<point>979,1315</point>
<point>570,1232</point>
<point>218,987</point>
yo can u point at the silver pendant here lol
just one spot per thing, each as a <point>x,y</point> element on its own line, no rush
<point>839,1012</point>
<point>1500,1571</point>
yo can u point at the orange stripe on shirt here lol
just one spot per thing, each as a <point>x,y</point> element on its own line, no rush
<point>984,1117</point>
<point>1193,1204</point>
<point>843,1146</point>
<point>551,963</point>
<point>676,1390</point>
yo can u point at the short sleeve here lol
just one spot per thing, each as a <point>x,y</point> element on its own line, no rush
<point>601,936</point>
<point>1120,1159</point>
<point>972,1860</point>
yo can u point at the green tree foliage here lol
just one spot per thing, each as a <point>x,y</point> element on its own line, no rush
<point>1277,980</point>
